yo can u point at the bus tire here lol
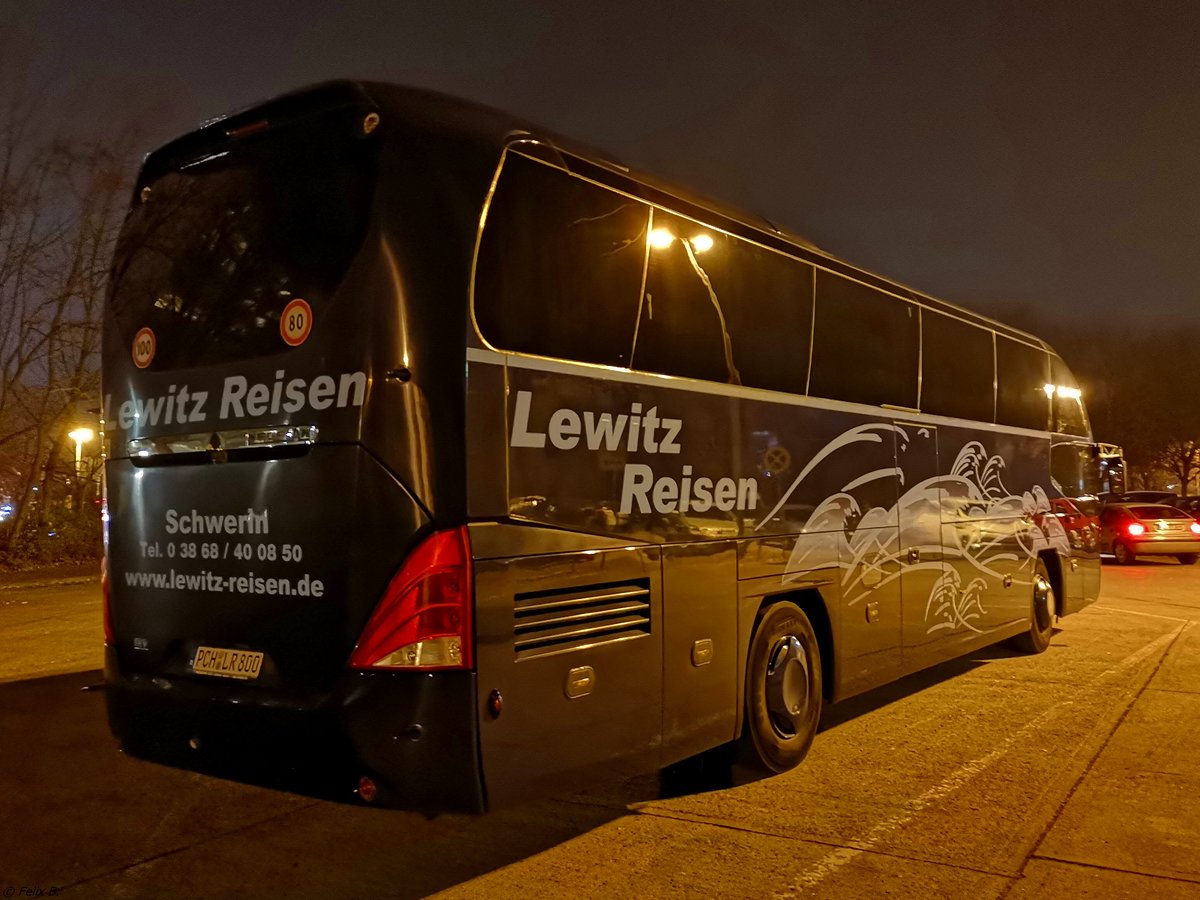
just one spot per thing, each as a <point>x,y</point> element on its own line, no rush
<point>1123,555</point>
<point>1043,607</point>
<point>1188,559</point>
<point>783,690</point>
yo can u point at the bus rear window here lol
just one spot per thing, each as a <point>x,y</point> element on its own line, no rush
<point>215,250</point>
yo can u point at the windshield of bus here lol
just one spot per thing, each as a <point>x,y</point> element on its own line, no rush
<point>214,251</point>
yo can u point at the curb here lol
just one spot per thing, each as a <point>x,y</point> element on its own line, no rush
<point>49,582</point>
<point>50,576</point>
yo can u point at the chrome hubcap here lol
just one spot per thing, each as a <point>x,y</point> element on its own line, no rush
<point>1043,603</point>
<point>787,686</point>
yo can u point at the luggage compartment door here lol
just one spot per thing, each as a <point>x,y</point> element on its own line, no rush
<point>571,645</point>
<point>701,647</point>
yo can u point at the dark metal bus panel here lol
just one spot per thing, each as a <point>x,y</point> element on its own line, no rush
<point>241,554</point>
<point>284,388</point>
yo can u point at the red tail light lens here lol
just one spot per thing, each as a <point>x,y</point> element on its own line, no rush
<point>1195,526</point>
<point>1135,529</point>
<point>106,601</point>
<point>424,618</point>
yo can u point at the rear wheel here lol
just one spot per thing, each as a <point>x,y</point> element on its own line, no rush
<point>1188,559</point>
<point>783,690</point>
<point>1123,555</point>
<point>1041,625</point>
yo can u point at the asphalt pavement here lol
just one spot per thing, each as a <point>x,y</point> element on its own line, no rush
<point>1075,773</point>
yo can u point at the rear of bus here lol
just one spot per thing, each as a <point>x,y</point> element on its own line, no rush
<point>288,596</point>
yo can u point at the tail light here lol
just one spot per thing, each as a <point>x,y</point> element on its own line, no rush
<point>106,601</point>
<point>424,618</point>
<point>1135,529</point>
<point>1195,526</point>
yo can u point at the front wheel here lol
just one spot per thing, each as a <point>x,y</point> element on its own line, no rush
<point>1188,559</point>
<point>783,690</point>
<point>1041,624</point>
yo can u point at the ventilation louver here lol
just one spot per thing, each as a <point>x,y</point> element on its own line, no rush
<point>558,621</point>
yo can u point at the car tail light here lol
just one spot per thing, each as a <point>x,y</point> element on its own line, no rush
<point>1195,526</point>
<point>424,618</point>
<point>106,601</point>
<point>1135,529</point>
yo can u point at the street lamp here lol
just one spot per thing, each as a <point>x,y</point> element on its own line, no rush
<point>80,436</point>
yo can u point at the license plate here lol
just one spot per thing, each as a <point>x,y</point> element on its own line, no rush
<point>227,663</point>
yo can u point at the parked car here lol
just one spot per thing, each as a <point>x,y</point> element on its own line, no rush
<point>1079,518</point>
<point>1140,497</point>
<point>1190,505</point>
<point>1130,530</point>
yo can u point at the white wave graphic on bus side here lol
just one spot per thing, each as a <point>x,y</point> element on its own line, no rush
<point>982,525</point>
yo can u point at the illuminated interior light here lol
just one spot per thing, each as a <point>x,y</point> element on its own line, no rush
<point>1049,389</point>
<point>1068,393</point>
<point>702,242</point>
<point>660,238</point>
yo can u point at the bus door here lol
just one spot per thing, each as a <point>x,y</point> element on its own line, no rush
<point>928,610</point>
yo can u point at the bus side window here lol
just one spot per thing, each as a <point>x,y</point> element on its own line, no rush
<point>865,344</point>
<point>957,368</point>
<point>768,303</point>
<point>1022,373</point>
<point>560,265</point>
<point>682,328</point>
<point>724,309</point>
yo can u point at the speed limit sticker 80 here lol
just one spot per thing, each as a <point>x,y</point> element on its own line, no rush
<point>296,322</point>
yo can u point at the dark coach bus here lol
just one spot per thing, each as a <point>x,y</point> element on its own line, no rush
<point>450,461</point>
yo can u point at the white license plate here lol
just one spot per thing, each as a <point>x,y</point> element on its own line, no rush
<point>227,663</point>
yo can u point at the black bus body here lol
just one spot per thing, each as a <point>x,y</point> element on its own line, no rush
<point>450,462</point>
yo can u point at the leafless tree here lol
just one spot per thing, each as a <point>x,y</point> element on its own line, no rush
<point>60,204</point>
<point>1180,458</point>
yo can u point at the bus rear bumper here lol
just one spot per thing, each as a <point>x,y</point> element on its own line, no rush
<point>413,734</point>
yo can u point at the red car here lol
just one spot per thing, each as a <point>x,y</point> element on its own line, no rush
<point>1130,530</point>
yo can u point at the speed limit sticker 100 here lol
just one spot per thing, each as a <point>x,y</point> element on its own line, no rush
<point>144,345</point>
<point>296,322</point>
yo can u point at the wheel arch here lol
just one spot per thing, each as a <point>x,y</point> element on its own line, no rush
<point>1053,563</point>
<point>812,604</point>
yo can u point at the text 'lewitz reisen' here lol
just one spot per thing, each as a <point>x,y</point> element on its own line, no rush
<point>242,399</point>
<point>637,431</point>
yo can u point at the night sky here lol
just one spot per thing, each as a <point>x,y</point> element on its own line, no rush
<point>1036,154</point>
